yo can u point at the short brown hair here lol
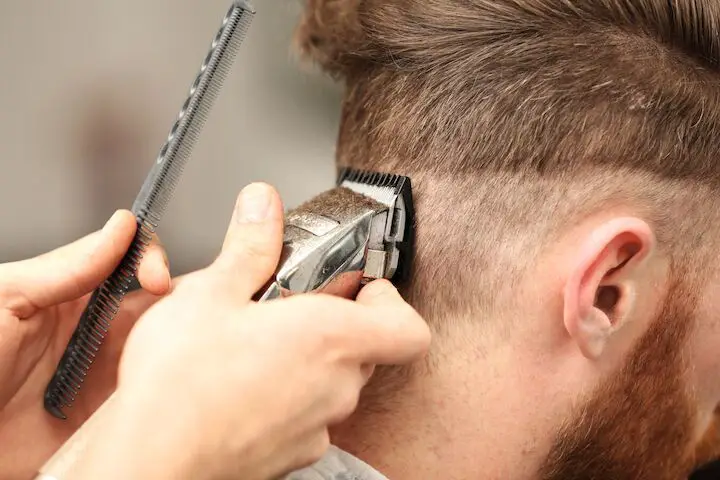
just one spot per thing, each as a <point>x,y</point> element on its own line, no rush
<point>512,116</point>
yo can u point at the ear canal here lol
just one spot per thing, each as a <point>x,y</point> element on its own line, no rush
<point>607,299</point>
<point>610,294</point>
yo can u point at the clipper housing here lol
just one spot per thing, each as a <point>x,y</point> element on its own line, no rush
<point>359,231</point>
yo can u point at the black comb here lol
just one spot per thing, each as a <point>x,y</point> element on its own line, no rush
<point>148,208</point>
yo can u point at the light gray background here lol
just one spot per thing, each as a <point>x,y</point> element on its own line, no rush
<point>90,90</point>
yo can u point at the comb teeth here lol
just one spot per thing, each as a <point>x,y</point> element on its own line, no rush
<point>93,327</point>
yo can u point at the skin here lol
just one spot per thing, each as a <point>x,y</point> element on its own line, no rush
<point>709,448</point>
<point>41,301</point>
<point>200,368</point>
<point>628,374</point>
<point>609,371</point>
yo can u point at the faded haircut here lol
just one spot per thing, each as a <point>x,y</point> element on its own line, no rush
<point>515,118</point>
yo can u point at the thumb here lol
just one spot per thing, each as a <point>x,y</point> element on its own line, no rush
<point>69,272</point>
<point>254,239</point>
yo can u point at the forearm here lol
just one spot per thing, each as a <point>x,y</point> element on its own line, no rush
<point>133,441</point>
<point>121,441</point>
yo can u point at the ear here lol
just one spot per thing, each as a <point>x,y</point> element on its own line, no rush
<point>601,291</point>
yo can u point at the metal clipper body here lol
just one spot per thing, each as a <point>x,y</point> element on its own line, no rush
<point>357,232</point>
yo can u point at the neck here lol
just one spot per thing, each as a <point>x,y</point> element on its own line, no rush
<point>476,415</point>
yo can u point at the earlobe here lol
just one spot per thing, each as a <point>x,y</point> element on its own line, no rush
<point>600,290</point>
<point>589,327</point>
<point>592,333</point>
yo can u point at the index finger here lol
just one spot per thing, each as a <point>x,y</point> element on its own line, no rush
<point>392,332</point>
<point>71,271</point>
<point>378,329</point>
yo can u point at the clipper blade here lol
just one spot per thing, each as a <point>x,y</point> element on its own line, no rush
<point>359,231</point>
<point>394,191</point>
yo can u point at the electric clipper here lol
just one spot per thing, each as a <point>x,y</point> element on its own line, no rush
<point>357,232</point>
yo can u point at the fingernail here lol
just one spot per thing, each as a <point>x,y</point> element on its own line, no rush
<point>254,203</point>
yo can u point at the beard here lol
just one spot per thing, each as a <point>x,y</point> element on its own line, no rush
<point>640,424</point>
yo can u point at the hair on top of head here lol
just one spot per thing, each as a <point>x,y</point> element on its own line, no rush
<point>338,34</point>
<point>330,33</point>
<point>536,59</point>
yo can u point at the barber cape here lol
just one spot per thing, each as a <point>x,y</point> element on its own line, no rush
<point>337,465</point>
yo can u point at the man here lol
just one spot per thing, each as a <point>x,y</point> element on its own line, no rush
<point>564,163</point>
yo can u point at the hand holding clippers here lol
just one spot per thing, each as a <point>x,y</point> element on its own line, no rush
<point>357,232</point>
<point>361,230</point>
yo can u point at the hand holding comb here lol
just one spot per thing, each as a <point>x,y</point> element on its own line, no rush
<point>148,209</point>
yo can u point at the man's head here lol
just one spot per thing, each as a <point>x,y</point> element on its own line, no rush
<point>563,158</point>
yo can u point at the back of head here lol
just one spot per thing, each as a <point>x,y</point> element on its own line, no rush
<point>514,118</point>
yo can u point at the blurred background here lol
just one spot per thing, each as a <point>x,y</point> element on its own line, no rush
<point>90,90</point>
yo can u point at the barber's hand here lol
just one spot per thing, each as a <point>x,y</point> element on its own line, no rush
<point>41,301</point>
<point>213,385</point>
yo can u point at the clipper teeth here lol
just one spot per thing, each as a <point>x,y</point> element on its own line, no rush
<point>370,178</point>
<point>382,187</point>
<point>395,191</point>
